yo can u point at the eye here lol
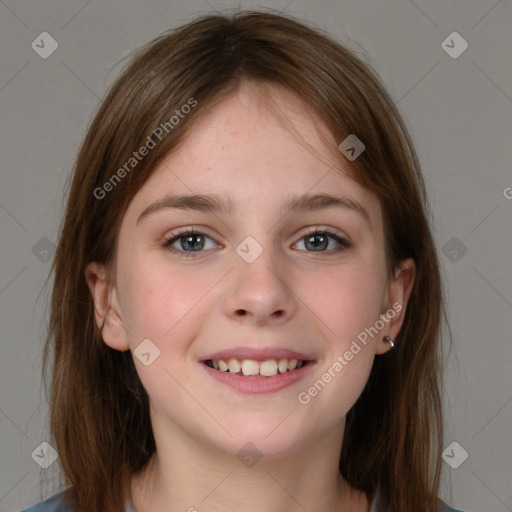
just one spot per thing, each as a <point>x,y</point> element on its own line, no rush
<point>189,241</point>
<point>324,241</point>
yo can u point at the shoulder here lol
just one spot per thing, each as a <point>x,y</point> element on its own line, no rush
<point>54,504</point>
<point>443,507</point>
<point>57,503</point>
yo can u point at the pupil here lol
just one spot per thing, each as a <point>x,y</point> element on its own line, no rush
<point>318,242</point>
<point>195,242</point>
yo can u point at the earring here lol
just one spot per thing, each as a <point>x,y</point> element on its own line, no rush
<point>387,339</point>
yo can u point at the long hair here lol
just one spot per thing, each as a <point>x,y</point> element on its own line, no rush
<point>99,413</point>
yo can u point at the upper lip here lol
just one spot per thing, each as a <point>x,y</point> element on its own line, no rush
<point>257,354</point>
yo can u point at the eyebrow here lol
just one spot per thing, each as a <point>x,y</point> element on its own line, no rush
<point>225,204</point>
<point>198,202</point>
<point>312,202</point>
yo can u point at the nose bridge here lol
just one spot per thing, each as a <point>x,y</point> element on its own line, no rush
<point>259,285</point>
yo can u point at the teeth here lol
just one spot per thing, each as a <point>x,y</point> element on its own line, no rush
<point>283,365</point>
<point>250,367</point>
<point>268,368</point>
<point>292,364</point>
<point>234,366</point>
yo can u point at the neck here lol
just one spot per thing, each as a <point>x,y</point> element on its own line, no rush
<point>187,475</point>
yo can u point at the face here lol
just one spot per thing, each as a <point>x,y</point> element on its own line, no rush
<point>256,273</point>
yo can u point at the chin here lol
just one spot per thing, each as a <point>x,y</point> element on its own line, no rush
<point>269,438</point>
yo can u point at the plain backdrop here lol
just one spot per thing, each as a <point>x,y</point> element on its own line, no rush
<point>458,107</point>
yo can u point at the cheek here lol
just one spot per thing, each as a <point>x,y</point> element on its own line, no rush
<point>347,301</point>
<point>158,303</point>
<point>168,308</point>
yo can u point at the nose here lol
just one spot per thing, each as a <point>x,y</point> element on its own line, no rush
<point>260,292</point>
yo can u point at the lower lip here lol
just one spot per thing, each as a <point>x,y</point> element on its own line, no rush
<point>256,385</point>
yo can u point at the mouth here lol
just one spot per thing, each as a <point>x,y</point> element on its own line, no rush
<point>253,368</point>
<point>257,371</point>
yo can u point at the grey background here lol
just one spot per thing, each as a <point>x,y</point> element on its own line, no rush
<point>459,112</point>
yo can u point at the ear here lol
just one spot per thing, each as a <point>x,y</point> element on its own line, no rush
<point>107,312</point>
<point>396,298</point>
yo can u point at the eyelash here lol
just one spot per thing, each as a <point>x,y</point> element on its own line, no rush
<point>343,242</point>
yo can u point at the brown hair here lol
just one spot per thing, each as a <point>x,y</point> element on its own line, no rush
<point>99,412</point>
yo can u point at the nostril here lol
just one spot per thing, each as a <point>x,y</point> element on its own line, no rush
<point>241,312</point>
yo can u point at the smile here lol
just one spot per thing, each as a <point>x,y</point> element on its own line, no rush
<point>253,368</point>
<point>258,374</point>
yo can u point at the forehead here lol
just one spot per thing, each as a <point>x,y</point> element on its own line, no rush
<point>265,116</point>
<point>255,148</point>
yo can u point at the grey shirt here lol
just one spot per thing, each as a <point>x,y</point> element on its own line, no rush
<point>56,504</point>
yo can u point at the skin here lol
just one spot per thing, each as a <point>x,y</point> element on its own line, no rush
<point>291,296</point>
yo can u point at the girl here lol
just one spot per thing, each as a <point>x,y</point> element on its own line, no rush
<point>247,305</point>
